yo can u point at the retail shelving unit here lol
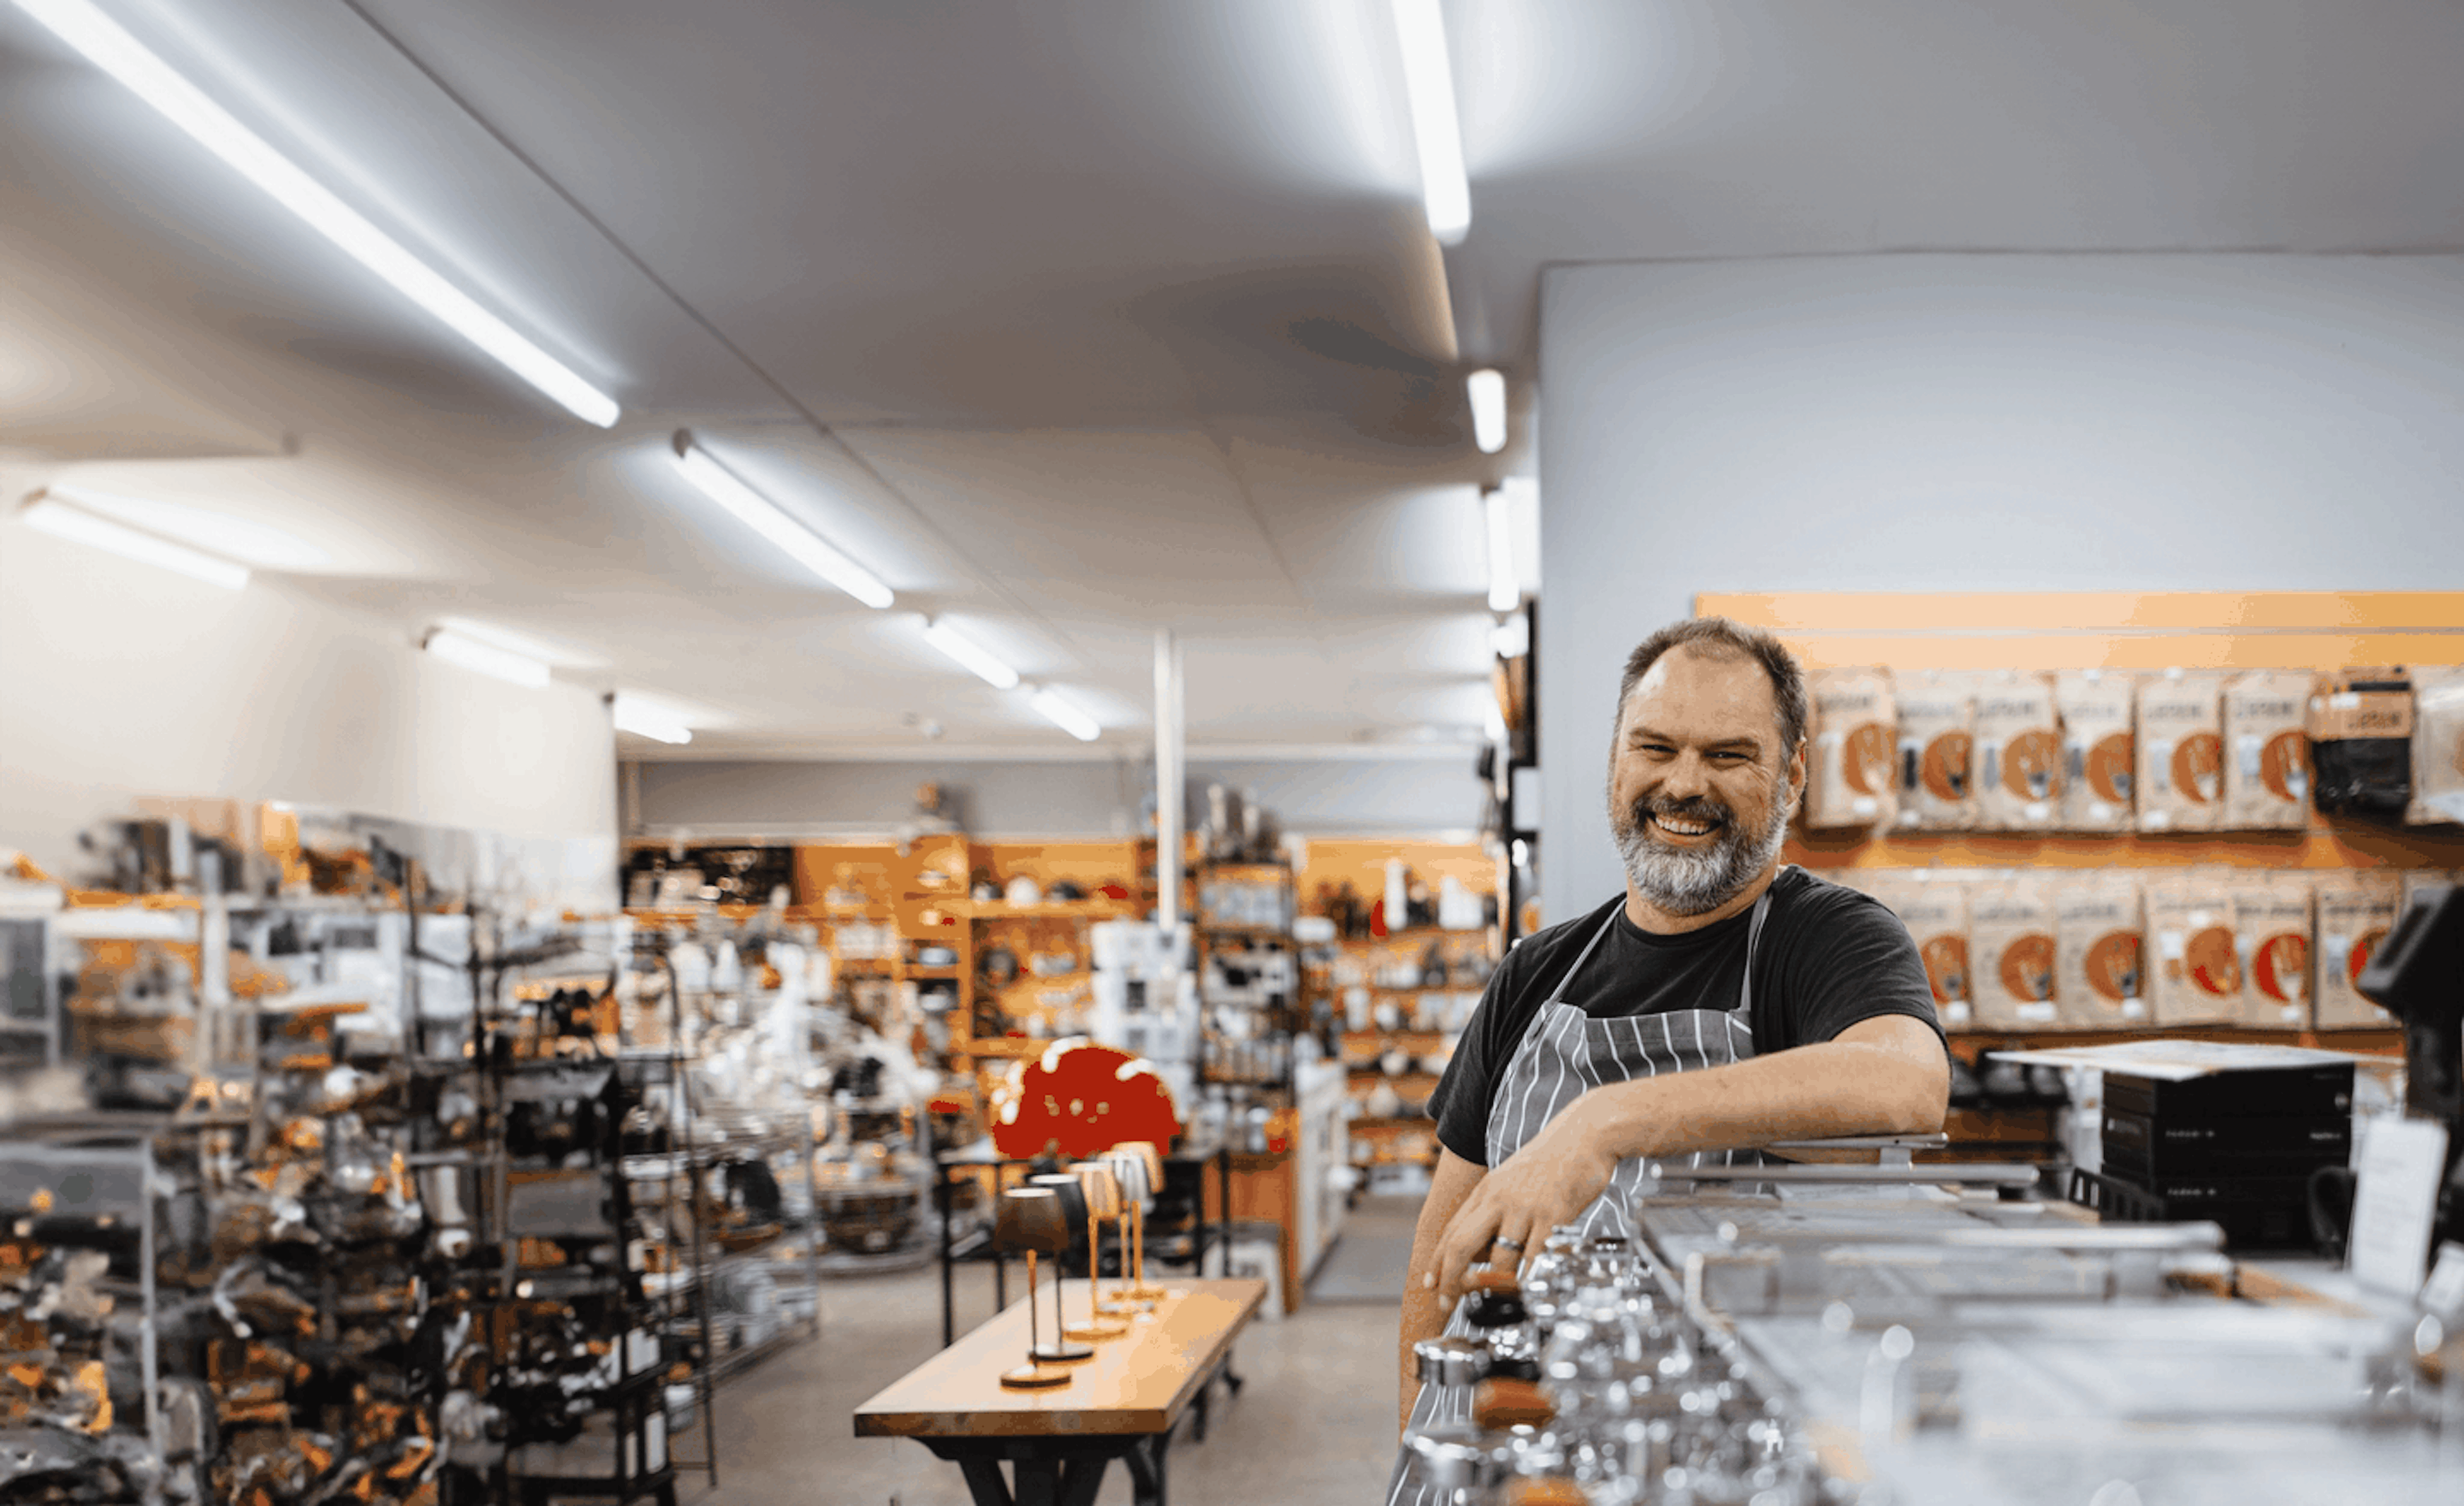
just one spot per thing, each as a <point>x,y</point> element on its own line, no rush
<point>2141,632</point>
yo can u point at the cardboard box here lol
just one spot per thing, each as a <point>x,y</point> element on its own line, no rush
<point>2360,742</point>
<point>2267,751</point>
<point>2019,754</point>
<point>2100,753</point>
<point>2272,934</point>
<point>2355,910</point>
<point>2011,955</point>
<point>2195,970</point>
<point>1935,912</point>
<point>2100,954</point>
<point>2180,785</point>
<point>1937,743</point>
<point>1852,778</point>
<point>2437,747</point>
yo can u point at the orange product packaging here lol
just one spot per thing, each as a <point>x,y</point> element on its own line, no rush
<point>2100,756</point>
<point>2437,747</point>
<point>1854,781</point>
<point>2355,910</point>
<point>2100,969</point>
<point>2180,752</point>
<point>2194,971</point>
<point>2272,933</point>
<point>2011,955</point>
<point>1935,912</point>
<point>2019,754</point>
<point>1937,744</point>
<point>2267,751</point>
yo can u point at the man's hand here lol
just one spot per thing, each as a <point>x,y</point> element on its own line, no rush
<point>1549,1181</point>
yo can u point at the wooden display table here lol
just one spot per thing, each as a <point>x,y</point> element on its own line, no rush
<point>1123,1404</point>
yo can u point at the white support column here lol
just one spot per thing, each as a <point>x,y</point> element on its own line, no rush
<point>1171,780</point>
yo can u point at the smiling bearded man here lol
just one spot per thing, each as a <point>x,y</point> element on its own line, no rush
<point>1723,1001</point>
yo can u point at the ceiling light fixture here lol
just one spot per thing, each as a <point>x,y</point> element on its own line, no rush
<point>969,655</point>
<point>486,659</point>
<point>1064,716</point>
<point>1429,83</point>
<point>1487,389</point>
<point>630,715</point>
<point>1504,593</point>
<point>50,515</point>
<point>762,515</point>
<point>109,47</point>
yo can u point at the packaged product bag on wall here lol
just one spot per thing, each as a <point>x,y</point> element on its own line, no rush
<point>2355,911</point>
<point>2019,754</point>
<point>1853,778</point>
<point>2180,752</point>
<point>2100,980</point>
<point>2437,747</point>
<point>1937,731</point>
<point>2193,967</point>
<point>2098,757</point>
<point>2267,751</point>
<point>1935,912</point>
<point>2360,742</point>
<point>2272,930</point>
<point>2011,955</point>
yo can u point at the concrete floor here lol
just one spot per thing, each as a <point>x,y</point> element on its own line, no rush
<point>1315,1423</point>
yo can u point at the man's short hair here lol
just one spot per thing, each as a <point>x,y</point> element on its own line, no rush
<point>1719,638</point>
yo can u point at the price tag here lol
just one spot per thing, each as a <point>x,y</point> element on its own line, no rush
<point>2394,1201</point>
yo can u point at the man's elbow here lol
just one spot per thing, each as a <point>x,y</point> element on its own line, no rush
<point>1919,1101</point>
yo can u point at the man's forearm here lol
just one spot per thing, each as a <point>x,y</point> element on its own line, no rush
<point>1810,1093</point>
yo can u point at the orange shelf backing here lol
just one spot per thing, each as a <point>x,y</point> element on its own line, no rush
<point>2071,611</point>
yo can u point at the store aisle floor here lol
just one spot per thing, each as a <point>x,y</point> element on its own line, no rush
<point>1315,1423</point>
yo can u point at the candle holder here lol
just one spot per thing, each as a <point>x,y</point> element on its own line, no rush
<point>1062,1348</point>
<point>1103,1195</point>
<point>1030,1220</point>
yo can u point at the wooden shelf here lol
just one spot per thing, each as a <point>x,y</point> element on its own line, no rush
<point>1014,1047</point>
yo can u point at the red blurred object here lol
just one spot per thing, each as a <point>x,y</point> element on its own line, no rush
<point>1377,917</point>
<point>1079,1099</point>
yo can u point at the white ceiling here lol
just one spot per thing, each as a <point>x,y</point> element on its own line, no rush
<point>1071,320</point>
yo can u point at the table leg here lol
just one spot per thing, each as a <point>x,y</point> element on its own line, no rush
<point>985,1482</point>
<point>1145,1460</point>
<point>941,1201</point>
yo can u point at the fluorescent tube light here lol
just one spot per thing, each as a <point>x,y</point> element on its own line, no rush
<point>630,715</point>
<point>1429,83</point>
<point>1064,716</point>
<point>762,515</point>
<point>983,665</point>
<point>60,520</point>
<point>109,47</point>
<point>1505,594</point>
<point>486,659</point>
<point>1486,390</point>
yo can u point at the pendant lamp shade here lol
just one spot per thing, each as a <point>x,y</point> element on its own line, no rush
<point>1030,1220</point>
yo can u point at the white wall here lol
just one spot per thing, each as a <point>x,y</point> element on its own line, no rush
<point>1056,797</point>
<point>1921,423</point>
<point>119,680</point>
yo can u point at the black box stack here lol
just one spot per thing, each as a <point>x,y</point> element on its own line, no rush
<point>2235,1147</point>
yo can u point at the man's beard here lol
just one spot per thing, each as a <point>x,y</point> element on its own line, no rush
<point>1694,881</point>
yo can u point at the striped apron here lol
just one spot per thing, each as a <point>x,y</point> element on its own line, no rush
<point>1565,1053</point>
